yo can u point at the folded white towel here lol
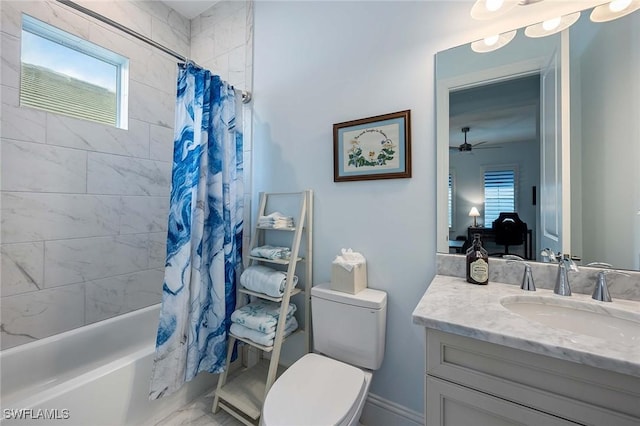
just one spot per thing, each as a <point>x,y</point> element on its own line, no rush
<point>260,315</point>
<point>265,280</point>
<point>271,252</point>
<point>275,216</point>
<point>267,219</point>
<point>264,339</point>
<point>276,225</point>
<point>275,220</point>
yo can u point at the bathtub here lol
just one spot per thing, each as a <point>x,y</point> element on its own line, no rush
<point>94,375</point>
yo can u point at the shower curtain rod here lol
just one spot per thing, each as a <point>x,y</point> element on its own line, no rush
<point>246,96</point>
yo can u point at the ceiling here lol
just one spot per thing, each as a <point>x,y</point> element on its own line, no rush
<point>190,8</point>
<point>496,113</point>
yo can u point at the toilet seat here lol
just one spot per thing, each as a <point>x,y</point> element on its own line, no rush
<point>315,390</point>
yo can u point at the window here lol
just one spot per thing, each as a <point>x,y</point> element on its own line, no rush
<point>65,74</point>
<point>499,193</point>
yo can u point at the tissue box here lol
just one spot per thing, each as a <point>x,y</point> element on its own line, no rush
<point>352,281</point>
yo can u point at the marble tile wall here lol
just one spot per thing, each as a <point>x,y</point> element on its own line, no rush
<point>84,206</point>
<point>222,41</point>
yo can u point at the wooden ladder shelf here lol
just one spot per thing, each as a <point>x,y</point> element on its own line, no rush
<point>242,394</point>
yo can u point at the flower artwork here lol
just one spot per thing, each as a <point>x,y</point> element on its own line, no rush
<point>373,148</point>
<point>374,158</point>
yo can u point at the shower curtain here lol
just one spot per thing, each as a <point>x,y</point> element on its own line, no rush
<point>204,241</point>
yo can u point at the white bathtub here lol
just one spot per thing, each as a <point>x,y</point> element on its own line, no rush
<point>95,375</point>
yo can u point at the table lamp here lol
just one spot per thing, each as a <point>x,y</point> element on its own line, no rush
<point>474,213</point>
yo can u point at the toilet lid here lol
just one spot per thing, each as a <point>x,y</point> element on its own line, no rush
<point>315,390</point>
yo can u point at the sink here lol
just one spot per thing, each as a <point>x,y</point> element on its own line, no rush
<point>582,317</point>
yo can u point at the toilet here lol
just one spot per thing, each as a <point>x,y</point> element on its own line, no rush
<point>330,387</point>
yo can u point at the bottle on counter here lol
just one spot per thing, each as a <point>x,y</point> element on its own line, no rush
<point>477,263</point>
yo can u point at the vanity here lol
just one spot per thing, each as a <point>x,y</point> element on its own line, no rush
<point>490,361</point>
<point>496,354</point>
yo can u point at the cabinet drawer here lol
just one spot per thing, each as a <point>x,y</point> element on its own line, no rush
<point>454,405</point>
<point>566,389</point>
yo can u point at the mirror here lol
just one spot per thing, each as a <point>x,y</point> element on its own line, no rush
<point>562,112</point>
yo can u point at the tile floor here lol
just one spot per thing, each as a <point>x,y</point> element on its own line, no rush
<point>198,413</point>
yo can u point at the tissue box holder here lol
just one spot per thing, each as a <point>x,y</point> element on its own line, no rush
<point>352,281</point>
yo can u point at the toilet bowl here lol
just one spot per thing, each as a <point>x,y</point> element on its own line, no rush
<point>329,388</point>
<point>317,391</point>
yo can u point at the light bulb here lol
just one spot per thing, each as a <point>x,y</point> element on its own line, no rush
<point>489,9</point>
<point>613,10</point>
<point>491,40</point>
<point>493,5</point>
<point>619,5</point>
<point>550,24</point>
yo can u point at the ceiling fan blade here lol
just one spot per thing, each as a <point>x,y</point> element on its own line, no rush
<point>479,143</point>
<point>490,146</point>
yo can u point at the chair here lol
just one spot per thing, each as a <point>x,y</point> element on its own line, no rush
<point>466,244</point>
<point>509,230</point>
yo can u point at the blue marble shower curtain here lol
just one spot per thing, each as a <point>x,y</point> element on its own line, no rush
<point>204,241</point>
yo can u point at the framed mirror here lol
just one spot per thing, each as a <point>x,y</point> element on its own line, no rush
<point>552,134</point>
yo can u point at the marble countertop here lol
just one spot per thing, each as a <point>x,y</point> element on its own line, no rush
<point>452,305</point>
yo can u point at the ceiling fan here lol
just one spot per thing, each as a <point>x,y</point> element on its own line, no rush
<point>467,147</point>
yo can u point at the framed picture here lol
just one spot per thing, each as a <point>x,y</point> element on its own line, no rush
<point>373,148</point>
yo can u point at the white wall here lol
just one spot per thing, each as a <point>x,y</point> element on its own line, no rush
<point>610,149</point>
<point>85,205</point>
<point>319,63</point>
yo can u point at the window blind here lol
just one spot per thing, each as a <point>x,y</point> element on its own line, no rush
<point>499,194</point>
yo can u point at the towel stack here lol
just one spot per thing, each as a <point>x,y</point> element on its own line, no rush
<point>258,320</point>
<point>275,220</point>
<point>271,252</point>
<point>265,280</point>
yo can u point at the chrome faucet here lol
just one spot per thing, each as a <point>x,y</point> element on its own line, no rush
<point>527,278</point>
<point>601,290</point>
<point>549,256</point>
<point>562,287</point>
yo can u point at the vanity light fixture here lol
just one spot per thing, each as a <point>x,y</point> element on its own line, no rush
<point>551,26</point>
<point>614,10</point>
<point>487,9</point>
<point>494,42</point>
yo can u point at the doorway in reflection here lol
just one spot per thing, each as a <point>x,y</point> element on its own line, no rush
<point>494,163</point>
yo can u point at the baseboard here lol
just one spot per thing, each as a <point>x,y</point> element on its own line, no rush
<point>382,412</point>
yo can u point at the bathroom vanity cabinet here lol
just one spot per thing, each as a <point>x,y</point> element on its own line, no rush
<point>472,382</point>
<point>487,365</point>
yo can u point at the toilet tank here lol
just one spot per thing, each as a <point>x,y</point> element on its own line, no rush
<point>349,327</point>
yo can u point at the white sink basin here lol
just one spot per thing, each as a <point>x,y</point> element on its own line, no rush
<point>582,317</point>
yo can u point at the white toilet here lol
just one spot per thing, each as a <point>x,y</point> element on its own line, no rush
<point>330,387</point>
